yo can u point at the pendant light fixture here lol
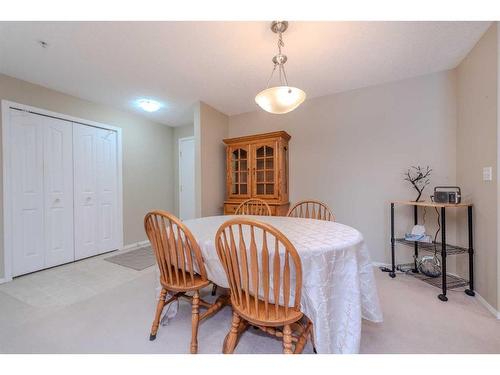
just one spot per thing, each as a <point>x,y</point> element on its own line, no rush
<point>283,98</point>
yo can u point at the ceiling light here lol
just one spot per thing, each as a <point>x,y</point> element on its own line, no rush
<point>283,98</point>
<point>149,105</point>
<point>43,43</point>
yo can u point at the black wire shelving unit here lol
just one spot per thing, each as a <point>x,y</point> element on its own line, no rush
<point>445,281</point>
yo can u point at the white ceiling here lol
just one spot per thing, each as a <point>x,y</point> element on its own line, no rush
<point>223,63</point>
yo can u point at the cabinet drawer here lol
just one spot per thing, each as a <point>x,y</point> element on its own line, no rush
<point>230,209</point>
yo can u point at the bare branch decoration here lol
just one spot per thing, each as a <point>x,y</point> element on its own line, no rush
<point>419,178</point>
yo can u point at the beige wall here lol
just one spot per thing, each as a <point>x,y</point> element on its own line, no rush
<point>498,163</point>
<point>147,151</point>
<point>210,128</point>
<point>178,132</point>
<point>351,149</point>
<point>477,144</point>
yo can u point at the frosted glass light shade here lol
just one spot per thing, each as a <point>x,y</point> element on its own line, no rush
<point>280,99</point>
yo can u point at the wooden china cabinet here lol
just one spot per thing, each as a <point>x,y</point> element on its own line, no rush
<point>257,167</point>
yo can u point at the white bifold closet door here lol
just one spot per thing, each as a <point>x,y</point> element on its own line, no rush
<point>58,192</point>
<point>95,190</point>
<point>42,192</point>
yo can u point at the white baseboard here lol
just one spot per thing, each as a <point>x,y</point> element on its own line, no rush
<point>4,280</point>
<point>135,245</point>
<point>490,308</point>
<point>380,264</point>
<point>480,299</point>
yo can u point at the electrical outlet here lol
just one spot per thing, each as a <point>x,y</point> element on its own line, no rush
<point>487,174</point>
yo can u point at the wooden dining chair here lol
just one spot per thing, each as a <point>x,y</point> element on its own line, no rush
<point>181,268</point>
<point>254,206</point>
<point>264,273</point>
<point>311,209</point>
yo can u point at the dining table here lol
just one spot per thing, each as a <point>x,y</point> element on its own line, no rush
<point>338,283</point>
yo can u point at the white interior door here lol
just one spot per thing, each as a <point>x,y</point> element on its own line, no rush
<point>85,190</point>
<point>26,168</point>
<point>186,179</point>
<point>58,191</point>
<point>107,190</point>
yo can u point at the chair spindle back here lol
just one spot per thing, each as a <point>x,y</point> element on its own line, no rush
<point>311,209</point>
<point>253,206</point>
<point>177,252</point>
<point>259,262</point>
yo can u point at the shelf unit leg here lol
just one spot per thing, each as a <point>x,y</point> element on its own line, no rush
<point>415,217</point>
<point>393,260</point>
<point>470,290</point>
<point>442,296</point>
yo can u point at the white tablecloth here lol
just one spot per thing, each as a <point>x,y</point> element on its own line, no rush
<point>338,287</point>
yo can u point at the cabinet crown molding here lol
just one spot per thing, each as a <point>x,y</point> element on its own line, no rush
<point>258,137</point>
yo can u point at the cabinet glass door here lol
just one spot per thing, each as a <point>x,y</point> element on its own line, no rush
<point>239,172</point>
<point>265,170</point>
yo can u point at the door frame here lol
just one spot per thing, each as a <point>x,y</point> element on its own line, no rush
<point>190,138</point>
<point>6,173</point>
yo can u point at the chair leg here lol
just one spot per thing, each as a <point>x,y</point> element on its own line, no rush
<point>195,318</point>
<point>232,336</point>
<point>287,339</point>
<point>159,309</point>
<point>214,289</point>
<point>304,335</point>
<point>219,303</point>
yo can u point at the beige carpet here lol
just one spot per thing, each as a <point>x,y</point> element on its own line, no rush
<point>68,284</point>
<point>117,320</point>
<point>415,321</point>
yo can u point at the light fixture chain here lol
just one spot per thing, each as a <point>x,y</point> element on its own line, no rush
<point>281,64</point>
<point>280,42</point>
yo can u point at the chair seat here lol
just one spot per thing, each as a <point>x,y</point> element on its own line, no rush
<point>191,284</point>
<point>272,319</point>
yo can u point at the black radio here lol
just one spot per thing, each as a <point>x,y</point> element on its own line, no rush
<point>447,194</point>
